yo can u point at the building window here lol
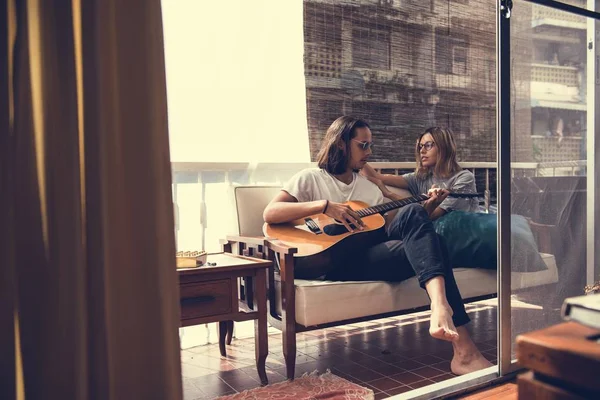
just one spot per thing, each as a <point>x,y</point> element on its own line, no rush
<point>459,60</point>
<point>451,53</point>
<point>371,48</point>
<point>322,27</point>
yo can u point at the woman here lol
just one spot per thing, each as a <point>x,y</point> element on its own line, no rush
<point>435,153</point>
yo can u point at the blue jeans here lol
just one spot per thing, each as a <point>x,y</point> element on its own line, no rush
<point>410,247</point>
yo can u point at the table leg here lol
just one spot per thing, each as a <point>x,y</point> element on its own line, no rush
<point>222,335</point>
<point>229,332</point>
<point>261,338</point>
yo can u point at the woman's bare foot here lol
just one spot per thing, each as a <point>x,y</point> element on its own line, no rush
<point>441,325</point>
<point>468,362</point>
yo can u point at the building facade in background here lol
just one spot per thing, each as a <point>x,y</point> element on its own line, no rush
<point>557,65</point>
<point>405,65</point>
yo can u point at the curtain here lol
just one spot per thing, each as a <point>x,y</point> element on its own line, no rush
<point>239,94</point>
<point>88,287</point>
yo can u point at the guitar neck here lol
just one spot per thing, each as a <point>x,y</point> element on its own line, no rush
<point>392,205</point>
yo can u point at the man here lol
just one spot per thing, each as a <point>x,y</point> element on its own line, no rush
<point>411,246</point>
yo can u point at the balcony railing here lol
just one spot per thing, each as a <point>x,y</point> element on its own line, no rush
<point>550,16</point>
<point>563,75</point>
<point>204,203</point>
<point>449,81</point>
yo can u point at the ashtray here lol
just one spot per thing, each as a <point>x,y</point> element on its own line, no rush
<point>191,259</point>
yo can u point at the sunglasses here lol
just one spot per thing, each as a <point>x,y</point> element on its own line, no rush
<point>364,145</point>
<point>427,145</point>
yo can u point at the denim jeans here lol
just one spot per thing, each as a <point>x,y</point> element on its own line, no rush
<point>410,247</point>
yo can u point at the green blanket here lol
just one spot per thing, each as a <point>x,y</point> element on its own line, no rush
<point>471,241</point>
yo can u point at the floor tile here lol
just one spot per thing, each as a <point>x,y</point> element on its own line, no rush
<point>427,372</point>
<point>420,384</point>
<point>385,384</point>
<point>409,365</point>
<point>398,390</point>
<point>193,371</point>
<point>428,359</point>
<point>407,378</point>
<point>442,366</point>
<point>443,377</point>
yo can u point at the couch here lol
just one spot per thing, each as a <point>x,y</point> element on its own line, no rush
<point>296,305</point>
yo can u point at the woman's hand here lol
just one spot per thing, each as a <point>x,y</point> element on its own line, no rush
<point>370,172</point>
<point>436,197</point>
<point>384,190</point>
<point>344,214</point>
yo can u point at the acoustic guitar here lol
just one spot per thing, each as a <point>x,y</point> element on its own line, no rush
<point>321,239</point>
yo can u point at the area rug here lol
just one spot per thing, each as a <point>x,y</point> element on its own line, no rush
<point>308,387</point>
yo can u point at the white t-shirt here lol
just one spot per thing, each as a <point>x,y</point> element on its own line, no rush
<point>317,184</point>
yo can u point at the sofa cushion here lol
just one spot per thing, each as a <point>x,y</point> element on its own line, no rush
<point>348,300</point>
<point>471,239</point>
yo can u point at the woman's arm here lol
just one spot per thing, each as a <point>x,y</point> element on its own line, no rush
<point>388,179</point>
<point>436,213</point>
<point>431,205</point>
<point>463,182</point>
<point>285,207</point>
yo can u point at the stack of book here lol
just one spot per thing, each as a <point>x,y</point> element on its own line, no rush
<point>583,309</point>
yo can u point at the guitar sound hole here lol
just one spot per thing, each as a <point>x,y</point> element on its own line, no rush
<point>335,229</point>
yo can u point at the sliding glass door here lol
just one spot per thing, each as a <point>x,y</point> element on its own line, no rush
<point>547,164</point>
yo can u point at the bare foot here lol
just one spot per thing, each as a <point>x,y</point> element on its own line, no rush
<point>441,325</point>
<point>469,362</point>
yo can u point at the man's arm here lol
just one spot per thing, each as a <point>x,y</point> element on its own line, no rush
<point>285,207</point>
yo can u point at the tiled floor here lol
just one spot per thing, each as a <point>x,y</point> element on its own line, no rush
<point>391,356</point>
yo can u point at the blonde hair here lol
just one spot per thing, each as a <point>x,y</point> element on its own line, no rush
<point>446,164</point>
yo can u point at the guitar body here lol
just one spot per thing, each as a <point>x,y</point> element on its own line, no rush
<point>318,248</point>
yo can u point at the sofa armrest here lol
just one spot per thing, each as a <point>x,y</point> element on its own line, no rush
<point>285,261</point>
<point>280,247</point>
<point>543,235</point>
<point>251,246</point>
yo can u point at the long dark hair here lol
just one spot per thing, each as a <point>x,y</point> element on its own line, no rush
<point>335,150</point>
<point>446,165</point>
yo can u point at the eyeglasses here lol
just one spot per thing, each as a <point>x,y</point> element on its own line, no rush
<point>364,145</point>
<point>427,145</point>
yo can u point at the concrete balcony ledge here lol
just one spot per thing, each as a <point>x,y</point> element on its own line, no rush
<point>558,23</point>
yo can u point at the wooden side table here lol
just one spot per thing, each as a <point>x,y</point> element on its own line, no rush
<point>563,360</point>
<point>210,294</point>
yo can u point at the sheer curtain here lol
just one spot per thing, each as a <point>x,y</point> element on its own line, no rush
<point>90,304</point>
<point>235,79</point>
<point>237,108</point>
